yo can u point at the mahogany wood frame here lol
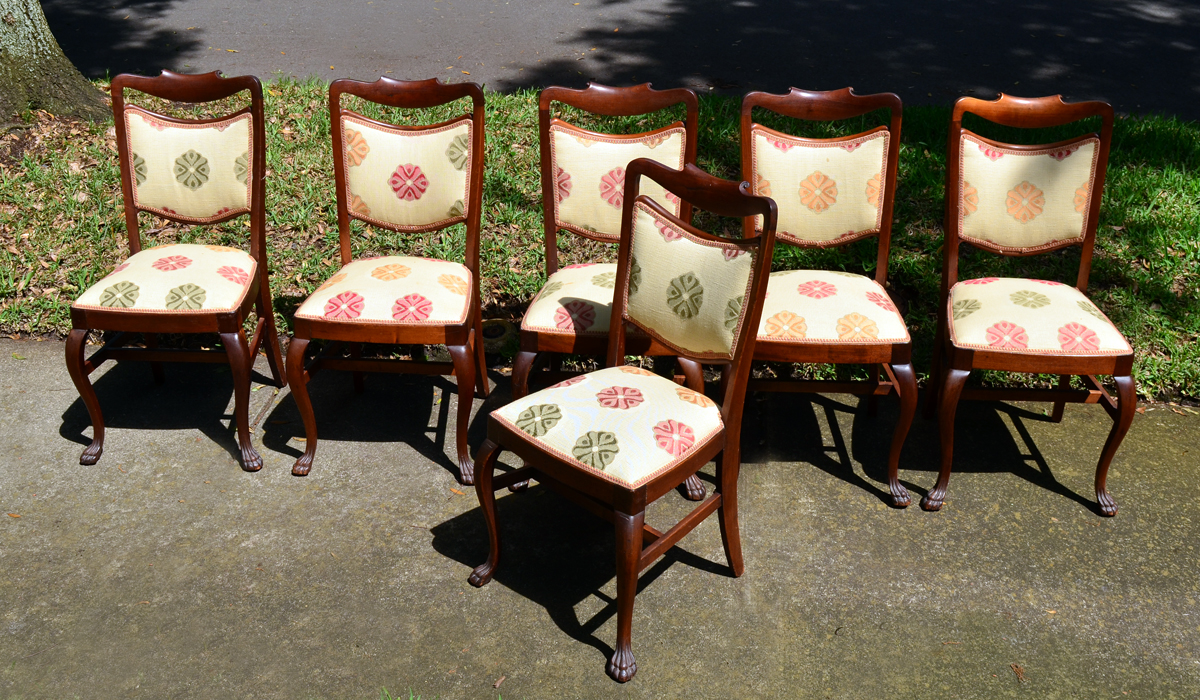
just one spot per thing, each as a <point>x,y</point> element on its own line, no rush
<point>952,365</point>
<point>463,340</point>
<point>638,544</point>
<point>239,354</point>
<point>610,102</point>
<point>895,359</point>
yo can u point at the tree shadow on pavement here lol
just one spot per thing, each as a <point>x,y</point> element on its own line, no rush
<point>103,39</point>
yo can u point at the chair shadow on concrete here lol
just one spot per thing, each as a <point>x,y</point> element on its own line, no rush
<point>542,535</point>
<point>391,408</point>
<point>789,428</point>
<point>191,397</point>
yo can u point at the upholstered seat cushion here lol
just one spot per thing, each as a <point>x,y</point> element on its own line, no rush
<point>823,306</point>
<point>576,300</point>
<point>624,424</point>
<point>1031,317</point>
<point>393,290</point>
<point>179,279</point>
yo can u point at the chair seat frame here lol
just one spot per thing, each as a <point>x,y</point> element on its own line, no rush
<point>952,365</point>
<point>229,324</point>
<point>891,360</point>
<point>463,340</point>
<point>638,544</point>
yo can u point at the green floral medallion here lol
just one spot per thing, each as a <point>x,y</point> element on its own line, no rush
<point>597,449</point>
<point>685,295</point>
<point>605,280</point>
<point>456,210</point>
<point>191,170</point>
<point>733,312</point>
<point>966,307</point>
<point>538,420</point>
<point>1029,299</point>
<point>458,151</point>
<point>635,275</point>
<point>139,169</point>
<point>121,295</point>
<point>241,167</point>
<point>1091,309</point>
<point>187,296</point>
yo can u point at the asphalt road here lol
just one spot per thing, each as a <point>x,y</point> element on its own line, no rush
<point>1141,56</point>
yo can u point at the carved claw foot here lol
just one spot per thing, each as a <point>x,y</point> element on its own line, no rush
<point>91,454</point>
<point>302,465</point>
<point>622,666</point>
<point>1108,507</point>
<point>934,500</point>
<point>693,488</point>
<point>519,486</point>
<point>481,575</point>
<point>251,460</point>
<point>900,497</point>
<point>466,472</point>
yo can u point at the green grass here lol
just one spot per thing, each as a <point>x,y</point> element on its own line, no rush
<point>62,225</point>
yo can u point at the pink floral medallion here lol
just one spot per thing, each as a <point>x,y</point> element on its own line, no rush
<point>630,369</point>
<point>817,289</point>
<point>612,187</point>
<point>1060,155</point>
<point>578,265</point>
<point>732,253</point>
<point>575,316</point>
<point>881,300</point>
<point>1007,335</point>
<point>234,274</point>
<point>413,307</point>
<point>620,397</point>
<point>990,153</point>
<point>408,182</point>
<point>562,182</point>
<point>675,201</point>
<point>693,397</point>
<point>674,437</point>
<point>781,145</point>
<point>172,262</point>
<point>1076,337</point>
<point>1051,283</point>
<point>120,267</point>
<point>568,382</point>
<point>346,305</point>
<point>982,280</point>
<point>850,147</point>
<point>667,232</point>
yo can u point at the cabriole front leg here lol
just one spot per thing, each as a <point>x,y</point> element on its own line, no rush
<point>622,666</point>
<point>951,390</point>
<point>239,362</point>
<point>485,466</point>
<point>79,375</point>
<point>464,370</point>
<point>299,382</point>
<point>1126,406</point>
<point>906,382</point>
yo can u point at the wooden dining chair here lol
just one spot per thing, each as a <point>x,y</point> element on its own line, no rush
<point>832,192</point>
<point>1021,200</point>
<point>583,175</point>
<point>193,171</point>
<point>411,179</point>
<point>617,439</point>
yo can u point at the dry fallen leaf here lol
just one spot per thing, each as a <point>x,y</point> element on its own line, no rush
<point>13,515</point>
<point>466,72</point>
<point>18,357</point>
<point>458,492</point>
<point>1019,671</point>
<point>501,678</point>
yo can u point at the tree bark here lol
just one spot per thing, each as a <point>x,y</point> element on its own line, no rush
<point>34,72</point>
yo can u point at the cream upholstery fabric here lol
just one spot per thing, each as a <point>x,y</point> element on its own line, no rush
<point>194,172</point>
<point>826,189</point>
<point>393,290</point>
<point>405,179</point>
<point>576,300</point>
<point>177,279</point>
<point>822,306</point>
<point>624,424</point>
<point>686,291</point>
<point>590,174</point>
<point>1025,200</point>
<point>1030,317</point>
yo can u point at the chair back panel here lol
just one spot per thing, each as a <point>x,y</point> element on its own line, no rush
<point>685,290</point>
<point>1025,198</point>
<point>827,190</point>
<point>191,170</point>
<point>589,172</point>
<point>406,178</point>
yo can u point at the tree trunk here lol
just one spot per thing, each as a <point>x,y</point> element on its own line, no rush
<point>34,73</point>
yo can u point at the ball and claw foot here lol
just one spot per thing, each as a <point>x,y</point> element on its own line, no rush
<point>302,465</point>
<point>91,454</point>
<point>693,488</point>
<point>622,666</point>
<point>933,500</point>
<point>1108,507</point>
<point>900,497</point>
<point>251,460</point>
<point>519,486</point>
<point>481,575</point>
<point>466,472</point>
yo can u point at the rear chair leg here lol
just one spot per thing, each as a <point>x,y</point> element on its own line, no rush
<point>485,466</point>
<point>481,379</point>
<point>1064,382</point>
<point>266,316</point>
<point>728,465</point>
<point>356,354</point>
<point>464,371</point>
<point>522,366</point>
<point>693,372</point>
<point>298,378</point>
<point>1126,405</point>
<point>79,375</point>
<point>156,368</point>
<point>951,390</point>
<point>907,388</point>
<point>239,361</point>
